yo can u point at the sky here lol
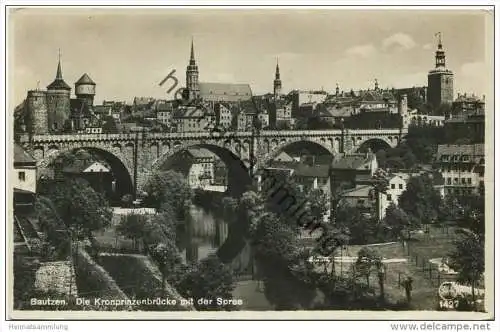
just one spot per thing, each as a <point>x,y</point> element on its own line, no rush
<point>128,52</point>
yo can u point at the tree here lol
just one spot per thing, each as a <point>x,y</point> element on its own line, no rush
<point>397,220</point>
<point>468,259</point>
<point>109,125</point>
<point>420,200</point>
<point>82,209</point>
<point>276,253</point>
<point>472,212</point>
<point>166,255</point>
<point>168,187</point>
<point>132,227</point>
<point>368,260</point>
<point>209,279</point>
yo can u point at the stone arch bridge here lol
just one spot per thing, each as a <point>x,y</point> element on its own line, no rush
<point>134,157</point>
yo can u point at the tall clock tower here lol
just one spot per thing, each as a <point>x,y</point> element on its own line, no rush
<point>440,80</point>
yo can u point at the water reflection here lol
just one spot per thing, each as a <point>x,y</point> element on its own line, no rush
<point>201,234</point>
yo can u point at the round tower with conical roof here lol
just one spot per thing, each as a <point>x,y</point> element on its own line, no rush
<point>58,102</point>
<point>85,89</point>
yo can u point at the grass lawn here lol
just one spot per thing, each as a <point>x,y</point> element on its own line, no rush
<point>136,279</point>
<point>437,243</point>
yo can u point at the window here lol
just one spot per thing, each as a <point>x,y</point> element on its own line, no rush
<point>393,186</point>
<point>389,197</point>
<point>463,180</point>
<point>400,186</point>
<point>21,176</point>
<point>469,180</point>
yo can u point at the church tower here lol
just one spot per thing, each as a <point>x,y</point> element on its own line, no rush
<point>277,81</point>
<point>192,85</point>
<point>58,102</point>
<point>440,80</point>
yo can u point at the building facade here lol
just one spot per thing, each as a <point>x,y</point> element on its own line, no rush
<point>25,170</point>
<point>462,168</point>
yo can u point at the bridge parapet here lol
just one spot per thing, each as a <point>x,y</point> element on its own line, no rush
<point>374,132</point>
<point>81,137</point>
<point>295,133</point>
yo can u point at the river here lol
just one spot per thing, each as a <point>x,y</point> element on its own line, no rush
<point>200,235</point>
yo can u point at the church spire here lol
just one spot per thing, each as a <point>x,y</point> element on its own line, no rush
<point>59,71</point>
<point>58,83</point>
<point>277,75</point>
<point>277,80</point>
<point>192,60</point>
<point>192,86</point>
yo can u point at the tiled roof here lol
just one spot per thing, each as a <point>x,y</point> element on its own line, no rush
<point>85,79</point>
<point>78,166</point>
<point>333,111</point>
<point>188,112</point>
<point>58,84</point>
<point>303,170</point>
<point>143,101</point>
<point>354,161</point>
<point>21,157</point>
<point>225,91</point>
<point>358,191</point>
<point>466,149</point>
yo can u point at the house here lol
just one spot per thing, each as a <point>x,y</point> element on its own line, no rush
<point>283,115</point>
<point>312,177</point>
<point>96,173</point>
<point>223,115</point>
<point>164,112</point>
<point>360,196</point>
<point>347,170</point>
<point>201,172</point>
<point>396,186</point>
<point>377,101</point>
<point>189,119</point>
<point>24,179</point>
<point>263,117</point>
<point>462,168</point>
<point>467,104</point>
<point>466,126</point>
<point>351,179</point>
<point>284,157</point>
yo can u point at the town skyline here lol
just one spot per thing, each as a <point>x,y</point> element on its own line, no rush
<point>248,54</point>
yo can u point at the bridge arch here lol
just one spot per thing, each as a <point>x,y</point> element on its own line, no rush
<point>239,178</point>
<point>120,168</point>
<point>375,144</point>
<point>271,152</point>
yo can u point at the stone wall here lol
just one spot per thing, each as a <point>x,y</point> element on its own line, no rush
<point>58,276</point>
